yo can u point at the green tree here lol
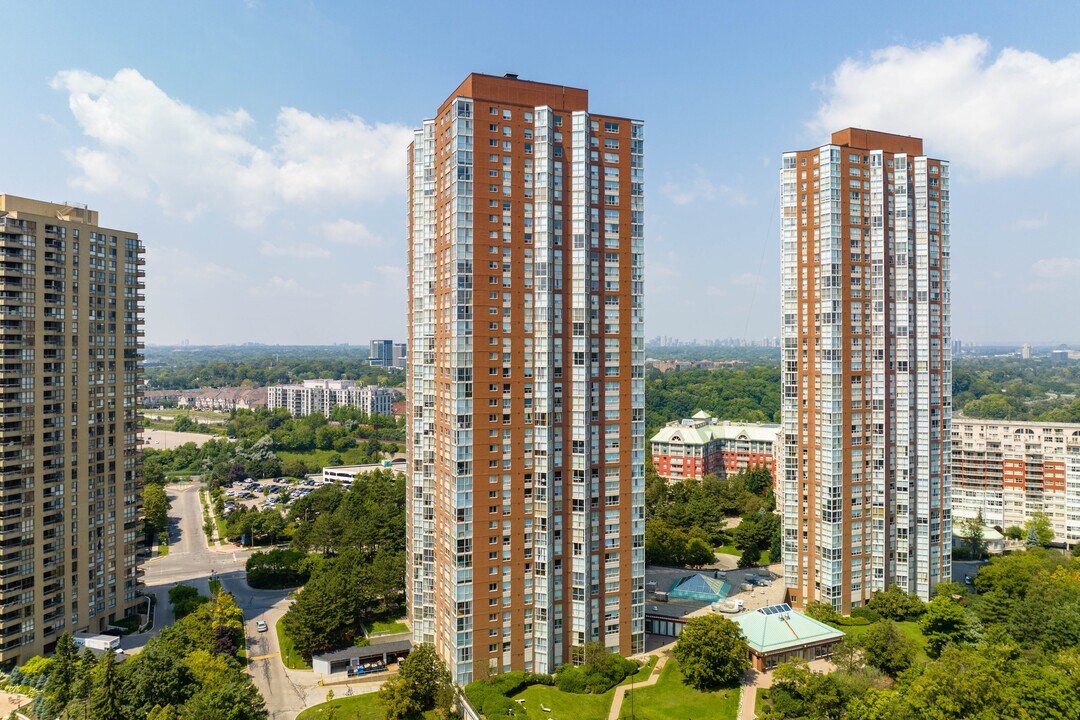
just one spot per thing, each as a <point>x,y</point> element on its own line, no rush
<point>328,611</point>
<point>959,686</point>
<point>233,699</point>
<point>971,532</point>
<point>155,677</point>
<point>698,553</point>
<point>106,699</point>
<point>184,423</point>
<point>1039,530</point>
<point>943,623</point>
<point>421,681</point>
<point>59,688</point>
<point>156,509</point>
<point>887,648</point>
<point>894,603</point>
<point>751,556</point>
<point>1014,532</point>
<point>711,652</point>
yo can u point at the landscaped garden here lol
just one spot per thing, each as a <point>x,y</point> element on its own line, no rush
<point>292,657</point>
<point>357,707</point>
<point>672,699</point>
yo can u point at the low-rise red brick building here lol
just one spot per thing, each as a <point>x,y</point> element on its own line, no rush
<point>702,445</point>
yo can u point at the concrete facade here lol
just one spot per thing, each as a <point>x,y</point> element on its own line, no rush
<point>1011,470</point>
<point>71,297</point>
<point>324,395</point>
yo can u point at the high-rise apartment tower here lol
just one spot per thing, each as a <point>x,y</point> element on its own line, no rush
<point>71,344</point>
<point>525,379</point>
<point>867,369</point>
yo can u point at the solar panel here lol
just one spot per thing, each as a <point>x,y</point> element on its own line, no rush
<point>775,609</point>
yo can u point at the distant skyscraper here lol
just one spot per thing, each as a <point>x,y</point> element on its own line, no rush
<point>867,369</point>
<point>72,344</point>
<point>381,353</point>
<point>1025,351</point>
<point>525,378</point>
<point>400,355</point>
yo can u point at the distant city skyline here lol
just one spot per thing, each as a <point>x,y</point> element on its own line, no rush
<point>267,178</point>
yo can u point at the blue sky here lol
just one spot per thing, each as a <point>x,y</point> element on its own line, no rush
<point>258,147</point>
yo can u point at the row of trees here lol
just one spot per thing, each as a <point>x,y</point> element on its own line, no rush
<point>257,366</point>
<point>750,394</point>
<point>316,431</point>
<point>357,570</point>
<point>1012,650</point>
<point>1017,389</point>
<point>190,672</point>
<point>687,519</point>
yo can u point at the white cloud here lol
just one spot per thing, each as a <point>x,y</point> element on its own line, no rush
<point>1013,114</point>
<point>1029,224</point>
<point>747,279</point>
<point>699,187</point>
<point>150,145</point>
<point>1058,269</point>
<point>347,232</point>
<point>298,251</point>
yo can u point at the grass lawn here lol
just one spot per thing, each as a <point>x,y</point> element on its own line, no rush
<point>761,700</point>
<point>730,549</point>
<point>910,629</point>
<point>670,699</point>
<point>358,707</point>
<point>642,674</point>
<point>386,627</point>
<point>578,707</point>
<point>294,660</point>
<point>563,706</point>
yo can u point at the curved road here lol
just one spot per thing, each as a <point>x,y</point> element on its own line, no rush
<point>190,562</point>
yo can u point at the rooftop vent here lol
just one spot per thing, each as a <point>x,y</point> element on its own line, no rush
<point>511,76</point>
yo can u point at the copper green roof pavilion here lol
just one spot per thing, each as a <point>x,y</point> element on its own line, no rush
<point>776,633</point>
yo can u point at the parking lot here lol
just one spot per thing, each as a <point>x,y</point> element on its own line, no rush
<point>267,494</point>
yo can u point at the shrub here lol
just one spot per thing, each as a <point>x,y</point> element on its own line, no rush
<point>570,680</point>
<point>870,614</point>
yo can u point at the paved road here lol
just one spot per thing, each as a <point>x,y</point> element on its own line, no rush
<point>191,561</point>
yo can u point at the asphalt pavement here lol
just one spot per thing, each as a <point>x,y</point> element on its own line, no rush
<point>192,561</point>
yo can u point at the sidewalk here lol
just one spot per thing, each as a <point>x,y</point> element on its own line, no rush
<point>620,691</point>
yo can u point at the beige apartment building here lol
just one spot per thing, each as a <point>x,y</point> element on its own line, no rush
<point>866,369</point>
<point>525,378</point>
<point>1012,470</point>
<point>71,313</point>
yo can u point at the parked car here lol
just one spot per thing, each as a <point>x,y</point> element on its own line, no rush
<point>260,626</point>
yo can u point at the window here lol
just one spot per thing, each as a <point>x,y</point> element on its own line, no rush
<point>611,127</point>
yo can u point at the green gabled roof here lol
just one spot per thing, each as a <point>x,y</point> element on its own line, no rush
<point>777,627</point>
<point>700,415</point>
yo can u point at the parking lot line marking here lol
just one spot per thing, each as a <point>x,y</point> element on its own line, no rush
<point>263,657</point>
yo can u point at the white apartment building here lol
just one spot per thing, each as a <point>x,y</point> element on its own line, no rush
<point>1012,470</point>
<point>323,395</point>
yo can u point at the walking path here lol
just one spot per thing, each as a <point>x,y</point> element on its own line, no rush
<point>754,679</point>
<point>620,692</point>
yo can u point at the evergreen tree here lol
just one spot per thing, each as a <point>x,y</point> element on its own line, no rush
<point>105,700</point>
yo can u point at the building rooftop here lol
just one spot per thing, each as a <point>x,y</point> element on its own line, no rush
<point>989,533</point>
<point>702,428</point>
<point>777,627</point>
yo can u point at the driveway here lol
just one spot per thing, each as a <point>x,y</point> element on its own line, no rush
<point>190,561</point>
